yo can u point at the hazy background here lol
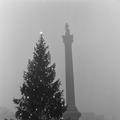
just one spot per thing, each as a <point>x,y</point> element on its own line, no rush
<point>95,25</point>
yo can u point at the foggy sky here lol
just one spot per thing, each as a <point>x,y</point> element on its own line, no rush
<point>95,25</point>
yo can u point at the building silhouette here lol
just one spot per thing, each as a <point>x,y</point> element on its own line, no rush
<point>91,116</point>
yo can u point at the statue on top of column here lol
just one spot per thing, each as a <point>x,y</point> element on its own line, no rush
<point>67,31</point>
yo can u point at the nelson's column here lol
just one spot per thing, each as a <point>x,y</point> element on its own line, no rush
<point>72,112</point>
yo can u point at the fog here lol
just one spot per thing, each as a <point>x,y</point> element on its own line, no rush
<point>95,25</point>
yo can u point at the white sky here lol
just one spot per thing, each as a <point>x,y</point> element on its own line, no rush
<point>95,25</point>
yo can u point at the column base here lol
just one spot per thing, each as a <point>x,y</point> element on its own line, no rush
<point>72,113</point>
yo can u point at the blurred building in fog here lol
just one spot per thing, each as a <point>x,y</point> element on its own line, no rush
<point>6,114</point>
<point>91,116</point>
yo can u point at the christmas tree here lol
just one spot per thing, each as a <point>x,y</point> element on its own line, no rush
<point>41,97</point>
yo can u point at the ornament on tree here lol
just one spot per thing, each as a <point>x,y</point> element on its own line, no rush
<point>27,97</point>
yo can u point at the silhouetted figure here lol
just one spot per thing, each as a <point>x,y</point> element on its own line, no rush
<point>67,31</point>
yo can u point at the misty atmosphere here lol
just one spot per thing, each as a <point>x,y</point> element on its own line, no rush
<point>95,26</point>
